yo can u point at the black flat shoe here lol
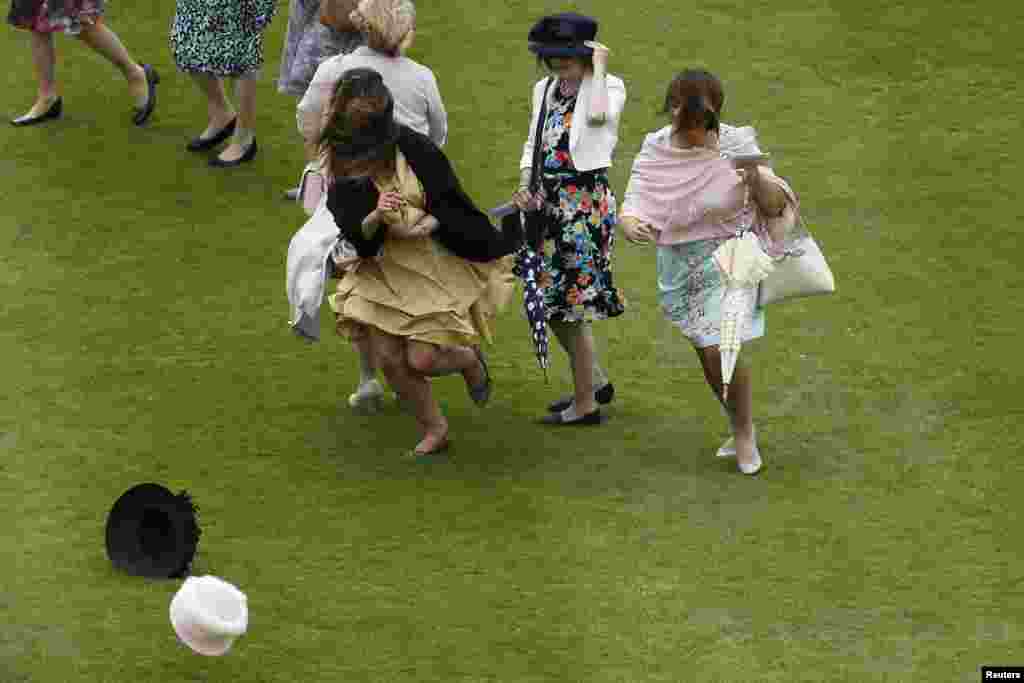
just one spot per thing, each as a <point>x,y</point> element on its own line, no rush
<point>247,156</point>
<point>481,394</point>
<point>604,396</point>
<point>143,113</point>
<point>202,144</point>
<point>54,112</point>
<point>590,419</point>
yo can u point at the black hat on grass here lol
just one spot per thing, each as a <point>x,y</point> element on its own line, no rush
<point>153,533</point>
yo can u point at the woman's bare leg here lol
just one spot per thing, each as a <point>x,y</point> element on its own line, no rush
<point>245,94</point>
<point>44,63</point>
<point>219,111</point>
<point>579,345</point>
<point>414,388</point>
<point>437,361</point>
<point>740,402</point>
<point>106,43</point>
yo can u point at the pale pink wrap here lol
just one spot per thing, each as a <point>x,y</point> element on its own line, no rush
<point>695,193</point>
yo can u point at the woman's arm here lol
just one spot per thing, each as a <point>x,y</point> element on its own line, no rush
<point>437,117</point>
<point>526,161</point>
<point>309,112</point>
<point>352,202</point>
<point>769,196</point>
<point>426,225</point>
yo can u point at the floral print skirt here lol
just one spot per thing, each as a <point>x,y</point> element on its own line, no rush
<point>217,37</point>
<point>691,291</point>
<point>577,278</point>
<point>306,44</point>
<point>53,16</point>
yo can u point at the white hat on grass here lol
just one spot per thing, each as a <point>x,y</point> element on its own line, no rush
<point>208,614</point>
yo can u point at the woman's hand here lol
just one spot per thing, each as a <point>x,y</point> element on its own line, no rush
<point>525,200</point>
<point>601,53</point>
<point>637,232</point>
<point>389,201</point>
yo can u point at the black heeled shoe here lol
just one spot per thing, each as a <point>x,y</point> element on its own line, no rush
<point>54,112</point>
<point>201,144</point>
<point>247,156</point>
<point>143,113</point>
<point>603,396</point>
<point>588,420</point>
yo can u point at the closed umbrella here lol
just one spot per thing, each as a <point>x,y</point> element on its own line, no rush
<point>528,268</point>
<point>743,264</point>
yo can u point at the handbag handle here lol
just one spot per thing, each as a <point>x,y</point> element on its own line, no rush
<point>535,168</point>
<point>533,233</point>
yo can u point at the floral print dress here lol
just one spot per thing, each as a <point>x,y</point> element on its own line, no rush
<point>576,277</point>
<point>220,37</point>
<point>53,16</point>
<point>307,43</point>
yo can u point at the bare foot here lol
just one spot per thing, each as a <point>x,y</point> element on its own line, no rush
<point>434,441</point>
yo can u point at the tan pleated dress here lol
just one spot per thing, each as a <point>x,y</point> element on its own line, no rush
<point>416,288</point>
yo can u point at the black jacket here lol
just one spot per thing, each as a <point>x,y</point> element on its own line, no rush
<point>464,229</point>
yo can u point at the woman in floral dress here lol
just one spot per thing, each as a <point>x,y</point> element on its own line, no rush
<point>82,19</point>
<point>578,139</point>
<point>217,39</point>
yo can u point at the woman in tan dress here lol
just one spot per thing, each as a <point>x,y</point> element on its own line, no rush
<point>431,270</point>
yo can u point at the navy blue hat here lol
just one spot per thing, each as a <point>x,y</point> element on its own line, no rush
<point>563,35</point>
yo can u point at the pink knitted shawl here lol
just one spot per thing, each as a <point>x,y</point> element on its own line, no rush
<point>693,194</point>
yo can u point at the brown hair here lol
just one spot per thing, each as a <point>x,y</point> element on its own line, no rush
<point>360,109</point>
<point>698,94</point>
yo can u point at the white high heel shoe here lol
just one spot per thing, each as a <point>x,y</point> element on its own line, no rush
<point>752,467</point>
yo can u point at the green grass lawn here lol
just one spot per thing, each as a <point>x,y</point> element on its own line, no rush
<point>144,337</point>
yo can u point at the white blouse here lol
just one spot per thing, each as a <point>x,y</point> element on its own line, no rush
<point>413,86</point>
<point>591,147</point>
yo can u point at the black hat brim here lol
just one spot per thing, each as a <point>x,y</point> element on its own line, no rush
<point>151,532</point>
<point>550,50</point>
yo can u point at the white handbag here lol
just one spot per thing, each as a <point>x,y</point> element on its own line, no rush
<point>802,271</point>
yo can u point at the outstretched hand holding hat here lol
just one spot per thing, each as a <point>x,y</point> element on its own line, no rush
<point>600,53</point>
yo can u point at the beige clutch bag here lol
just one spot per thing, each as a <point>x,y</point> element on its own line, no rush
<point>802,271</point>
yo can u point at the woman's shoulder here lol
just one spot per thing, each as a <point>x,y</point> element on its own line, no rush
<point>615,81</point>
<point>656,138</point>
<point>421,70</point>
<point>737,139</point>
<point>418,147</point>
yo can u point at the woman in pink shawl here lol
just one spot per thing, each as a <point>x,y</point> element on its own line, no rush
<point>688,197</point>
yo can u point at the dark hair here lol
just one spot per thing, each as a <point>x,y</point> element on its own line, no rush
<point>588,61</point>
<point>359,131</point>
<point>699,95</point>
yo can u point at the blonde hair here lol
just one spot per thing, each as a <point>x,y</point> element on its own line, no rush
<point>387,24</point>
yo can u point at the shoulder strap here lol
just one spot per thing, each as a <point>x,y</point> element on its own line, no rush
<point>535,170</point>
